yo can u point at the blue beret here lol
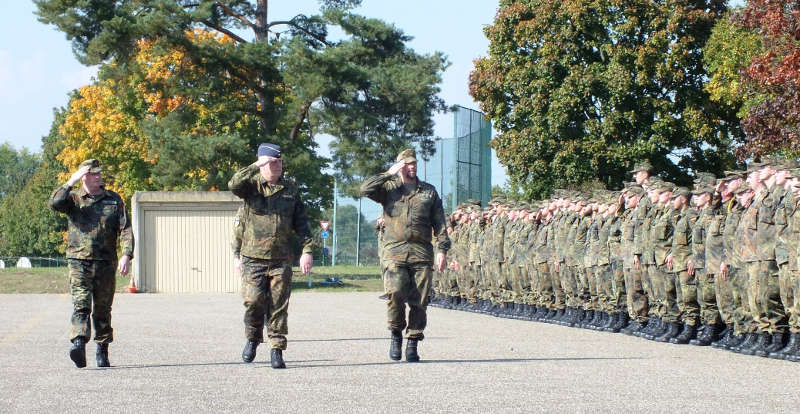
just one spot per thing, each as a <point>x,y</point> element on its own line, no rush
<point>270,150</point>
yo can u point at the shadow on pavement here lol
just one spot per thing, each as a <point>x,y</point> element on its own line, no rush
<point>385,338</point>
<point>459,361</point>
<point>201,364</point>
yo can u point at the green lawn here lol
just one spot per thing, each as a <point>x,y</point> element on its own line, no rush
<point>55,279</point>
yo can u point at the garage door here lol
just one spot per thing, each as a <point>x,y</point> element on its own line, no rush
<point>188,251</point>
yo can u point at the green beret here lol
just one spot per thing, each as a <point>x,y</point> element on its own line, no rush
<point>93,164</point>
<point>407,155</point>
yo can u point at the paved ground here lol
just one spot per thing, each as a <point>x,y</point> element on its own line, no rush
<point>181,354</point>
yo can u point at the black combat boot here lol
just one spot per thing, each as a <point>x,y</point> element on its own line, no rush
<point>578,317</point>
<point>792,347</point>
<point>748,341</point>
<point>687,334</point>
<point>553,315</point>
<point>708,335</point>
<point>609,322</point>
<point>724,337</point>
<point>249,351</point>
<point>396,346</point>
<point>606,320</point>
<point>647,329</point>
<point>590,321</point>
<point>655,327</point>
<point>673,330</point>
<point>276,359</point>
<point>778,343</point>
<point>567,315</point>
<point>760,348</point>
<point>632,328</point>
<point>77,352</point>
<point>620,323</point>
<point>101,356</point>
<point>411,351</point>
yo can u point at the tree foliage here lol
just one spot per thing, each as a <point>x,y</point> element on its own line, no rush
<point>16,167</point>
<point>772,77</point>
<point>28,226</point>
<point>581,89</point>
<point>368,89</point>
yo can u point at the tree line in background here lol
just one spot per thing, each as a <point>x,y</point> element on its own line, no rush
<point>186,91</point>
<point>580,90</point>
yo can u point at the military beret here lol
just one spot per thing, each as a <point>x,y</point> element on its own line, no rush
<point>407,155</point>
<point>93,164</point>
<point>741,189</point>
<point>734,174</point>
<point>269,150</point>
<point>474,202</point>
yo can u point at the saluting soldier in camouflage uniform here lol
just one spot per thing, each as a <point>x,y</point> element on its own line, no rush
<point>705,275</point>
<point>784,252</point>
<point>273,214</point>
<point>97,218</point>
<point>414,214</point>
<point>766,305</point>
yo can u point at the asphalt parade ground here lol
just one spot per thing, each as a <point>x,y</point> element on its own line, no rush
<point>181,353</point>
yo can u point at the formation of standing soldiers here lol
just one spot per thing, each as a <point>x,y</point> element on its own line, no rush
<point>717,265</point>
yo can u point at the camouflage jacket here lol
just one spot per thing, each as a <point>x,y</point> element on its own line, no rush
<point>661,234</point>
<point>682,239</point>
<point>766,229</point>
<point>95,223</point>
<point>714,245</point>
<point>698,257</point>
<point>731,245</point>
<point>785,247</point>
<point>272,216</point>
<point>413,218</point>
<point>746,237</point>
<point>628,225</point>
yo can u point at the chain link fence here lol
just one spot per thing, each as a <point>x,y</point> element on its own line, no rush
<point>27,261</point>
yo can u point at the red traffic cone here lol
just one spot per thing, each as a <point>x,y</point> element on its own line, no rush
<point>132,287</point>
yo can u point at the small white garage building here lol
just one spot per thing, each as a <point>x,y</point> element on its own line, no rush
<point>183,241</point>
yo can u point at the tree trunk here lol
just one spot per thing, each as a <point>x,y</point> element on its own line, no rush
<point>266,99</point>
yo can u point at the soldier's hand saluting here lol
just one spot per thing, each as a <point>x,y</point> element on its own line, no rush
<point>396,167</point>
<point>77,175</point>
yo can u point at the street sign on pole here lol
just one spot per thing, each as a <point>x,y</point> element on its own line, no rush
<point>325,234</point>
<point>324,224</point>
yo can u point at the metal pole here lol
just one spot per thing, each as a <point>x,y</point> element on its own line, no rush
<point>333,227</point>
<point>358,234</point>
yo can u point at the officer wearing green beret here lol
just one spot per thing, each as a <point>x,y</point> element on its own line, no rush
<point>97,218</point>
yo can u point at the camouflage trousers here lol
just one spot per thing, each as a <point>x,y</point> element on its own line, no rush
<point>723,289</point>
<point>92,284</point>
<point>636,297</point>
<point>409,284</point>
<point>464,282</point>
<point>520,284</point>
<point>707,297</point>
<point>266,286</point>
<point>544,286</point>
<point>790,296</point>
<point>649,289</point>
<point>686,298</point>
<point>570,283</point>
<point>741,301</point>
<point>664,289</point>
<point>765,297</point>
<point>604,288</point>
<point>588,288</point>
<point>559,296</point>
<point>618,290</point>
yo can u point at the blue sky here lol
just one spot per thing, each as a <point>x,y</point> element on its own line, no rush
<point>38,69</point>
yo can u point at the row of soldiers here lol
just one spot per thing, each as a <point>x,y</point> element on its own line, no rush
<point>717,265</point>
